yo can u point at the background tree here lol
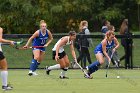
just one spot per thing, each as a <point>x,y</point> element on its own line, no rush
<point>23,16</point>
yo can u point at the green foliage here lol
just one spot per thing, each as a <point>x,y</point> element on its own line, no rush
<point>23,16</point>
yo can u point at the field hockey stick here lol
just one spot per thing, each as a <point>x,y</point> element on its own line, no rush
<point>109,64</point>
<point>15,43</point>
<point>81,68</point>
<point>116,64</point>
<point>22,48</point>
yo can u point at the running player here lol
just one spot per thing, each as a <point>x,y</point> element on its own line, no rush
<point>60,56</point>
<point>39,38</point>
<point>101,51</point>
<point>3,63</point>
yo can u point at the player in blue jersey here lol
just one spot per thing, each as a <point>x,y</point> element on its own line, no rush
<point>39,38</point>
<point>101,50</point>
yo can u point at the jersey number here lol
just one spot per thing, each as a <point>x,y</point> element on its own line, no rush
<point>43,41</point>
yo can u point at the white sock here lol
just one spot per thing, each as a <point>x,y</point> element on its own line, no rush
<point>57,66</point>
<point>63,72</point>
<point>4,75</point>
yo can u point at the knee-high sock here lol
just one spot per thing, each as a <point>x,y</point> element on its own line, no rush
<point>57,66</point>
<point>64,70</point>
<point>93,67</point>
<point>34,65</point>
<point>4,75</point>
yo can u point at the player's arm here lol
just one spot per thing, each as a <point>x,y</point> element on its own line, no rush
<point>50,39</point>
<point>36,34</point>
<point>62,42</point>
<point>116,44</point>
<point>72,51</point>
<point>104,50</point>
<point>4,40</point>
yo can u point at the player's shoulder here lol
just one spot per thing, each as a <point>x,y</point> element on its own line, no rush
<point>37,31</point>
<point>104,42</point>
<point>48,31</point>
<point>1,30</point>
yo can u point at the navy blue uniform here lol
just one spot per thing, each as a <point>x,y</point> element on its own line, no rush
<point>40,40</point>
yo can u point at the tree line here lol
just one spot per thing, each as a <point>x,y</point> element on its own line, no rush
<point>23,16</point>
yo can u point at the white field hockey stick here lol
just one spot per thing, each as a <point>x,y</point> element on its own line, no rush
<point>81,68</point>
<point>109,63</point>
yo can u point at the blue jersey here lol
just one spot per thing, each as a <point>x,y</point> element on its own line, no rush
<point>40,40</point>
<point>98,48</point>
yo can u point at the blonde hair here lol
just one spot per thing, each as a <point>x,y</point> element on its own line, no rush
<point>108,34</point>
<point>42,22</point>
<point>82,24</point>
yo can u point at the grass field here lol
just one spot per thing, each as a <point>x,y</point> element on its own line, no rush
<point>129,82</point>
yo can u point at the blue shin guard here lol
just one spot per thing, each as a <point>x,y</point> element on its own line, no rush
<point>93,67</point>
<point>34,65</point>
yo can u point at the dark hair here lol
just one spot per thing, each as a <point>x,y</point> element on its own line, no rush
<point>71,33</point>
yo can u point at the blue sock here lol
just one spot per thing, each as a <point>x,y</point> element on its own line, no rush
<point>93,67</point>
<point>34,65</point>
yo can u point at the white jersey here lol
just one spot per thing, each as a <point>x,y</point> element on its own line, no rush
<point>61,49</point>
<point>0,47</point>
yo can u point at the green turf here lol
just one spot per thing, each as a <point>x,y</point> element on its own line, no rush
<point>129,82</point>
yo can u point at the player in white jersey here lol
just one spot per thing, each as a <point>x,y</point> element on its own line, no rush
<point>3,63</point>
<point>60,56</point>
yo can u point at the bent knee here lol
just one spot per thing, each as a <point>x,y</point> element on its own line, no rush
<point>37,57</point>
<point>67,64</point>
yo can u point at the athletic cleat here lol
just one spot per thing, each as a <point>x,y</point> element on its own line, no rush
<point>7,88</point>
<point>32,74</point>
<point>35,74</point>
<point>88,77</point>
<point>47,70</point>
<point>63,77</point>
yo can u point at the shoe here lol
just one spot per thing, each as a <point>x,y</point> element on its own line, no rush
<point>88,77</point>
<point>63,77</point>
<point>47,70</point>
<point>32,73</point>
<point>7,88</point>
<point>35,74</point>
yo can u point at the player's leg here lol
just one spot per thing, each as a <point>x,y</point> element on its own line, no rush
<point>60,63</point>
<point>4,74</point>
<point>34,63</point>
<point>88,55</point>
<point>94,66</point>
<point>64,69</point>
